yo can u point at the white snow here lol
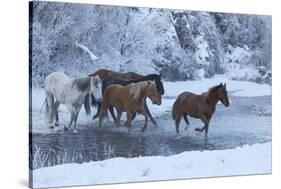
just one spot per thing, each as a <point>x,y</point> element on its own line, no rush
<point>254,159</point>
<point>86,49</point>
<point>234,88</point>
<point>237,72</point>
<point>202,54</point>
<point>238,54</point>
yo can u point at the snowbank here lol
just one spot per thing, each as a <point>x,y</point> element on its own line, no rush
<point>235,88</point>
<point>255,159</point>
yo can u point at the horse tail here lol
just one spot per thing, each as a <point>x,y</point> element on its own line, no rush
<point>50,107</point>
<point>174,110</point>
<point>174,113</point>
<point>46,107</point>
<point>43,104</point>
<point>87,104</point>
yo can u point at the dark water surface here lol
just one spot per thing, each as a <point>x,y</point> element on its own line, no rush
<point>246,121</point>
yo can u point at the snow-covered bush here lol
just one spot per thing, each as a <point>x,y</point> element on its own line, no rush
<point>182,45</point>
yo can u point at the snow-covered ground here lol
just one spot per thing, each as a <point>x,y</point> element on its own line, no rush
<point>234,88</point>
<point>255,159</point>
<point>172,90</point>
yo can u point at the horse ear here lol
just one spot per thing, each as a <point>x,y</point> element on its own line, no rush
<point>220,84</point>
<point>224,85</point>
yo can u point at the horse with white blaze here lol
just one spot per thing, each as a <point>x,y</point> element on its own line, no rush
<point>62,89</point>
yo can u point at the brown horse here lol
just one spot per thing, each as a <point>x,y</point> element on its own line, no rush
<point>130,99</point>
<point>104,73</point>
<point>199,106</point>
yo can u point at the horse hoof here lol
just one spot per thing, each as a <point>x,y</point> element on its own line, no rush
<point>75,131</point>
<point>51,127</point>
<point>57,124</point>
<point>65,128</point>
<point>198,129</point>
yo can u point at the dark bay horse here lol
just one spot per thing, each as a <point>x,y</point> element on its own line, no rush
<point>113,80</point>
<point>199,106</point>
<point>130,99</point>
<point>104,73</point>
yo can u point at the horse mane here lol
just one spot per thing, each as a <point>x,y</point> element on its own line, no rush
<point>214,88</point>
<point>136,88</point>
<point>152,77</point>
<point>82,84</point>
<point>211,91</point>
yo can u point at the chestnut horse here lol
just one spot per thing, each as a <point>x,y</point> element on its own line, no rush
<point>130,99</point>
<point>104,73</point>
<point>199,106</point>
<point>111,77</point>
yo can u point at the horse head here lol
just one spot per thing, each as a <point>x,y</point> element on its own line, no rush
<point>159,84</point>
<point>96,87</point>
<point>152,93</point>
<point>222,94</point>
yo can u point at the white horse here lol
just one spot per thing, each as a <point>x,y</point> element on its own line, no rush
<point>61,89</point>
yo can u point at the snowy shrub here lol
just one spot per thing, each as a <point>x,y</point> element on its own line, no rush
<point>238,55</point>
<point>182,45</point>
<point>236,72</point>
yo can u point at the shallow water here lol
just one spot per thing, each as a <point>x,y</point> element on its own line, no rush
<point>245,121</point>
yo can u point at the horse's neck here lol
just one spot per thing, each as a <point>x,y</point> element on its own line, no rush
<point>212,100</point>
<point>82,84</point>
<point>142,94</point>
<point>143,78</point>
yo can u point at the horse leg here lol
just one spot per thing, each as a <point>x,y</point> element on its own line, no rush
<point>149,114</point>
<point>111,110</point>
<point>70,122</point>
<point>143,112</point>
<point>177,122</point>
<point>98,111</point>
<point>70,109</point>
<point>129,120</point>
<point>133,117</point>
<point>206,125</point>
<point>186,121</point>
<point>119,114</point>
<point>50,106</point>
<point>57,104</point>
<point>76,113</point>
<point>103,112</point>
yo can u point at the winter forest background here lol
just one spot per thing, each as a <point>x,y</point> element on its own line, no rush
<point>182,45</point>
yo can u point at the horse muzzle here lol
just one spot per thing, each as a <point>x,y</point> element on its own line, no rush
<point>226,104</point>
<point>158,102</point>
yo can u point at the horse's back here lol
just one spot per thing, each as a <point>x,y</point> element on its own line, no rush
<point>55,81</point>
<point>132,75</point>
<point>103,73</point>
<point>185,96</point>
<point>186,102</point>
<point>114,90</point>
<point>57,75</point>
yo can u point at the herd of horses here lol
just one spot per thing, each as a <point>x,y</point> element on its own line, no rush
<point>125,92</point>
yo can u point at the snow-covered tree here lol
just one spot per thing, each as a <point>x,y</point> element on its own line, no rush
<point>80,39</point>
